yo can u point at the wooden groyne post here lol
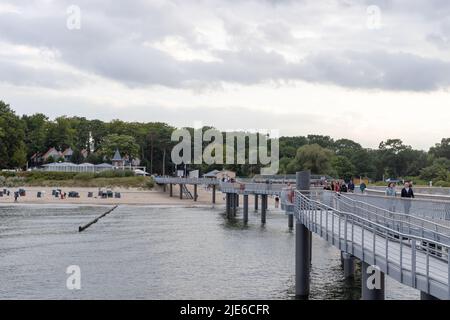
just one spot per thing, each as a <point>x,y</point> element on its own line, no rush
<point>82,228</point>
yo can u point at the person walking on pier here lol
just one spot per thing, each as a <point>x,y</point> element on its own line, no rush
<point>407,194</point>
<point>344,187</point>
<point>351,186</point>
<point>362,186</point>
<point>391,193</point>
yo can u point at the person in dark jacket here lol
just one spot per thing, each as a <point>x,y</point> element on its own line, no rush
<point>407,194</point>
<point>407,191</point>
<point>344,187</point>
<point>351,186</point>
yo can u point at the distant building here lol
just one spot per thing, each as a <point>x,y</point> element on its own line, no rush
<point>84,153</point>
<point>72,167</point>
<point>67,154</point>
<point>52,152</point>
<point>117,160</point>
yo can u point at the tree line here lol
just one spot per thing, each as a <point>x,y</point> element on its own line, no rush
<point>23,136</point>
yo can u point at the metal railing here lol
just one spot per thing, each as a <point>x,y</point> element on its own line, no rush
<point>425,208</point>
<point>399,221</point>
<point>178,180</point>
<point>252,188</point>
<point>400,255</point>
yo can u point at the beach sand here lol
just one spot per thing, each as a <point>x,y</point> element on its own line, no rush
<point>128,196</point>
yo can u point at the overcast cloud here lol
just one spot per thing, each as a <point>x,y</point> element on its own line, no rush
<point>305,66</point>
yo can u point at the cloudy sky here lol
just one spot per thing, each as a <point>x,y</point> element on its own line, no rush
<point>364,70</point>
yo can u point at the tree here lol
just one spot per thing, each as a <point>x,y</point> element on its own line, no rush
<point>12,135</point>
<point>323,141</point>
<point>126,145</point>
<point>343,167</point>
<point>77,157</point>
<point>393,158</point>
<point>438,171</point>
<point>36,127</point>
<point>311,157</point>
<point>441,150</point>
<point>61,134</point>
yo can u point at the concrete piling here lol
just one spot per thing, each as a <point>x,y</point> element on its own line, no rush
<point>228,204</point>
<point>348,262</point>
<point>245,208</point>
<point>303,248</point>
<point>290,221</point>
<point>263,208</point>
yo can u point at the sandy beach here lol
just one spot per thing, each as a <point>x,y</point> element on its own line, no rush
<point>128,196</point>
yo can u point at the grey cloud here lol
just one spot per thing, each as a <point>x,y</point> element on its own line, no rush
<point>110,44</point>
<point>378,70</point>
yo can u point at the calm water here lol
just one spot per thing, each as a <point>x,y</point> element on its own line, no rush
<point>160,253</point>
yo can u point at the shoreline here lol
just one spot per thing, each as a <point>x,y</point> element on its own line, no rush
<point>129,196</point>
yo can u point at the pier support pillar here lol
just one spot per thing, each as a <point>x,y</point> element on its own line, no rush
<point>263,208</point>
<point>234,203</point>
<point>164,187</point>
<point>228,204</point>
<point>245,208</point>
<point>373,284</point>
<point>348,262</point>
<point>426,296</point>
<point>291,221</point>
<point>237,200</point>
<point>302,261</point>
<point>214,193</point>
<point>256,202</point>
<point>303,248</point>
<point>195,192</point>
<point>171,190</point>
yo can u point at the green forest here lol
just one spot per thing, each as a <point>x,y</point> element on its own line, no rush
<point>23,136</point>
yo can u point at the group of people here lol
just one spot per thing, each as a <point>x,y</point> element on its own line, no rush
<point>342,186</point>
<point>407,191</point>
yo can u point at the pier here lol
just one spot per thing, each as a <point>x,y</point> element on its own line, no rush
<point>410,249</point>
<point>410,246</point>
